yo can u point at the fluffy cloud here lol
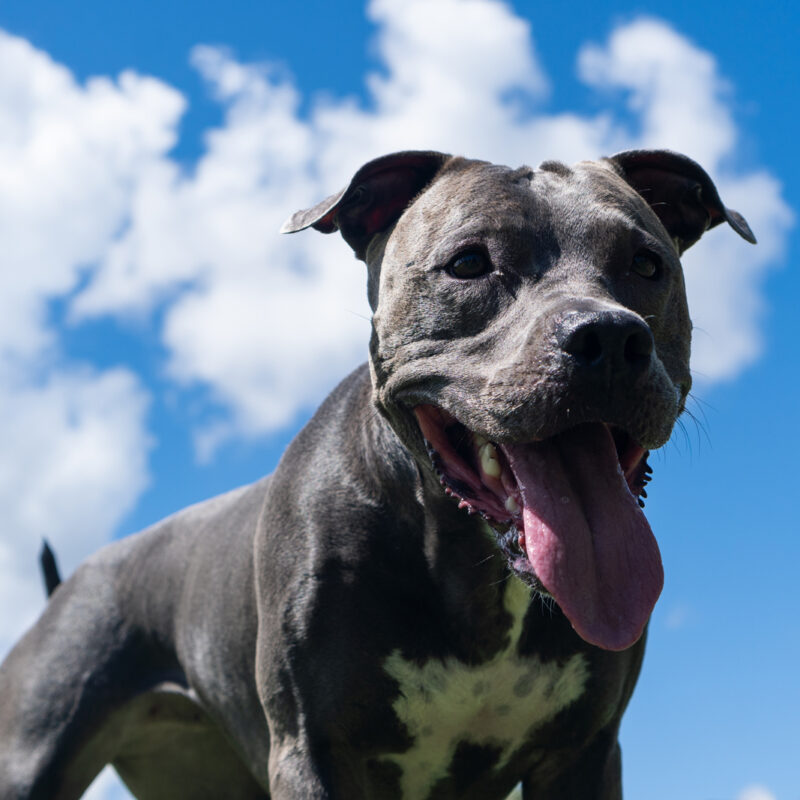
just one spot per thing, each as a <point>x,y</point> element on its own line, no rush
<point>755,793</point>
<point>673,89</point>
<point>73,460</point>
<point>73,463</point>
<point>69,157</point>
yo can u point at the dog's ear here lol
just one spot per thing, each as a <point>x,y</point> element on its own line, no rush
<point>375,198</point>
<point>680,193</point>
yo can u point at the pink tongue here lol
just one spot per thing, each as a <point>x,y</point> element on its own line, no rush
<point>586,537</point>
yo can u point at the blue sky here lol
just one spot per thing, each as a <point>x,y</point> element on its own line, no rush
<point>159,343</point>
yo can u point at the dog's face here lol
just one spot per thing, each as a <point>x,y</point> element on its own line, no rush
<point>489,273</point>
<point>530,344</point>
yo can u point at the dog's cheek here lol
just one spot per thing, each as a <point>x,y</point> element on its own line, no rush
<point>672,330</point>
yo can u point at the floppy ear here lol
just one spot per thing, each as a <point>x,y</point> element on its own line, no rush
<point>680,193</point>
<point>375,198</point>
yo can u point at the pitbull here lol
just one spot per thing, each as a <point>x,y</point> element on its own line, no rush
<point>443,589</point>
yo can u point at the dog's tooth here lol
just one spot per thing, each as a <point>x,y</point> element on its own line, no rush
<point>489,463</point>
<point>479,440</point>
<point>512,505</point>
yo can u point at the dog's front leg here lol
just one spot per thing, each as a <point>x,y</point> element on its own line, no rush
<point>294,776</point>
<point>301,770</point>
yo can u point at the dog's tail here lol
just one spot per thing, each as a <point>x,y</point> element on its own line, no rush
<point>47,562</point>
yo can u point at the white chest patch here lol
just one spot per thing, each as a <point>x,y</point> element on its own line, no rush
<point>497,703</point>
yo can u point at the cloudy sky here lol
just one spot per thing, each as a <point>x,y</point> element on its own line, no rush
<point>159,342</point>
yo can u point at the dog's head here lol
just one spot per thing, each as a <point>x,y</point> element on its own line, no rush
<point>531,344</point>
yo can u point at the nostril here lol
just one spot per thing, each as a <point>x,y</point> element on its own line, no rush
<point>585,344</point>
<point>639,346</point>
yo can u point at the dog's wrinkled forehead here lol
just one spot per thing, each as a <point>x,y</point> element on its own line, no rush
<point>553,205</point>
<point>470,198</point>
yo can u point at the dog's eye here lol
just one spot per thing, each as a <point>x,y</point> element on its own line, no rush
<point>469,265</point>
<point>647,264</point>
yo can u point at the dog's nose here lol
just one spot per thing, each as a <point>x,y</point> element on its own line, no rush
<point>601,340</point>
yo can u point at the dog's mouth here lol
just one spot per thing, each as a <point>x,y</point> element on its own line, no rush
<point>567,510</point>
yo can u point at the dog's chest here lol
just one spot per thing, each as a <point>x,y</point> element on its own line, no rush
<point>474,718</point>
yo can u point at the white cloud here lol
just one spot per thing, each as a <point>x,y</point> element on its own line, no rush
<point>73,462</point>
<point>755,792</point>
<point>69,156</point>
<point>74,442</point>
<point>673,89</point>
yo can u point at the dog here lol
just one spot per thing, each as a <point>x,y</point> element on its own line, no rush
<point>442,591</point>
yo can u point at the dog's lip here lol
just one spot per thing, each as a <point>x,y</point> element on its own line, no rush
<point>469,466</point>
